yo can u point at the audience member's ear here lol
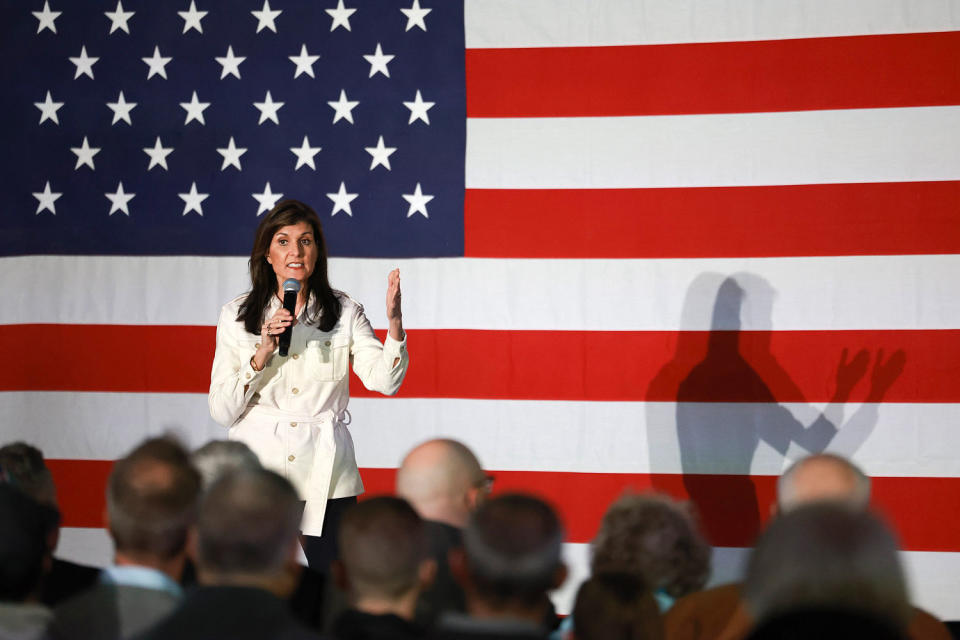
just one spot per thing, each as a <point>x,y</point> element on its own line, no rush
<point>472,499</point>
<point>340,578</point>
<point>427,572</point>
<point>457,559</point>
<point>559,576</point>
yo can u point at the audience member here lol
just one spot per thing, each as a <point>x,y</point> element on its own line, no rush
<point>151,505</point>
<point>720,612</point>
<point>383,567</point>
<point>830,624</point>
<point>509,561</point>
<point>654,538</point>
<point>246,554</point>
<point>25,468</point>
<point>827,558</point>
<point>24,558</point>
<point>218,457</point>
<point>616,606</point>
<point>443,481</point>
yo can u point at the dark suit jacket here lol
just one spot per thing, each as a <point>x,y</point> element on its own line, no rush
<point>720,614</point>
<point>357,625</point>
<point>65,580</point>
<point>230,613</point>
<point>110,611</point>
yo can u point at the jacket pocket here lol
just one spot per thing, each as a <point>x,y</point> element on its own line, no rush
<point>328,358</point>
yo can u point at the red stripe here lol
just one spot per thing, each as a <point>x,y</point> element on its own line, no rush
<point>925,511</point>
<point>800,220</point>
<point>726,77</point>
<point>777,366</point>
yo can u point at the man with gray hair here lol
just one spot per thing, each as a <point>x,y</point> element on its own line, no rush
<point>819,479</point>
<point>246,554</point>
<point>443,481</point>
<point>510,561</point>
<point>218,457</point>
<point>151,505</point>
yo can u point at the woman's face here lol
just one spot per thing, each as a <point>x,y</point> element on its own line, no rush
<point>293,252</point>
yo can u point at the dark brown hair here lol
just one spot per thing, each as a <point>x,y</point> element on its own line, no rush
<point>616,606</point>
<point>264,280</point>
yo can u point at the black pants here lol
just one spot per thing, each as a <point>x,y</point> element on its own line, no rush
<point>322,550</point>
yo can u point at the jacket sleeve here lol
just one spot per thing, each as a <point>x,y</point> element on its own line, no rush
<point>232,380</point>
<point>373,361</point>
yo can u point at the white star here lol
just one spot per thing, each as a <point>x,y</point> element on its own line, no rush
<point>341,200</point>
<point>381,154</point>
<point>157,64</point>
<point>119,17</point>
<point>268,109</point>
<point>158,154</point>
<point>415,16</point>
<point>343,108</point>
<point>230,64</point>
<point>84,64</point>
<point>119,200</point>
<point>231,155</point>
<point>194,109</point>
<point>341,16</point>
<point>192,18</point>
<point>46,17</point>
<point>85,154</point>
<point>192,201</point>
<point>304,63</point>
<point>378,62</point>
<point>47,198</point>
<point>418,202</point>
<point>266,17</point>
<point>267,199</point>
<point>121,110</point>
<point>48,109</point>
<point>418,109</point>
<point>305,154</point>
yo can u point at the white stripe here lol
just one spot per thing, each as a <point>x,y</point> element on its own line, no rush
<point>867,292</point>
<point>743,149</point>
<point>934,577</point>
<point>566,23</point>
<point>891,439</point>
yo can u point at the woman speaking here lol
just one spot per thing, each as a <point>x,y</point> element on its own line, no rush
<point>292,410</point>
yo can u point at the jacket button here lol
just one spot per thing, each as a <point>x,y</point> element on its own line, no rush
<point>295,356</point>
<point>293,424</point>
<point>327,343</point>
<point>257,346</point>
<point>295,391</point>
<point>290,458</point>
<point>248,375</point>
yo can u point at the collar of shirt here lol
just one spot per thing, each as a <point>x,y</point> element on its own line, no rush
<point>145,577</point>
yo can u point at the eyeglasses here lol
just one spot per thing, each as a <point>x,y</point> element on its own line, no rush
<point>485,483</point>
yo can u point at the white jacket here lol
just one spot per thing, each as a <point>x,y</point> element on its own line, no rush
<point>292,413</point>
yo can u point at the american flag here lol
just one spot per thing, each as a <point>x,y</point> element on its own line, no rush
<point>671,244</point>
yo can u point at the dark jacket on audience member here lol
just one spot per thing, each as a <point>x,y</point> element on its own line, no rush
<point>110,612</point>
<point>230,613</point>
<point>357,625</point>
<point>445,594</point>
<point>720,614</point>
<point>65,580</point>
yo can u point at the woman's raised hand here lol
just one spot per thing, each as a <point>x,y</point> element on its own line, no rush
<point>394,312</point>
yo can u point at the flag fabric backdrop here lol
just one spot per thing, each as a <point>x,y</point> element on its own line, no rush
<point>672,244</point>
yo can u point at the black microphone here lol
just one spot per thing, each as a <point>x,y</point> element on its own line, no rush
<point>291,288</point>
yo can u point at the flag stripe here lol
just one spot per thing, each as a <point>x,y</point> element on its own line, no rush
<point>798,220</point>
<point>732,77</point>
<point>889,439</point>
<point>776,366</point>
<point>828,293</point>
<point>552,23</point>
<point>581,499</point>
<point>716,150</point>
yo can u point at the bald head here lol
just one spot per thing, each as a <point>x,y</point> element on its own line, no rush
<point>443,481</point>
<point>823,477</point>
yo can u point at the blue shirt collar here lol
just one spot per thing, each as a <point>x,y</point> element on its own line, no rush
<point>144,577</point>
